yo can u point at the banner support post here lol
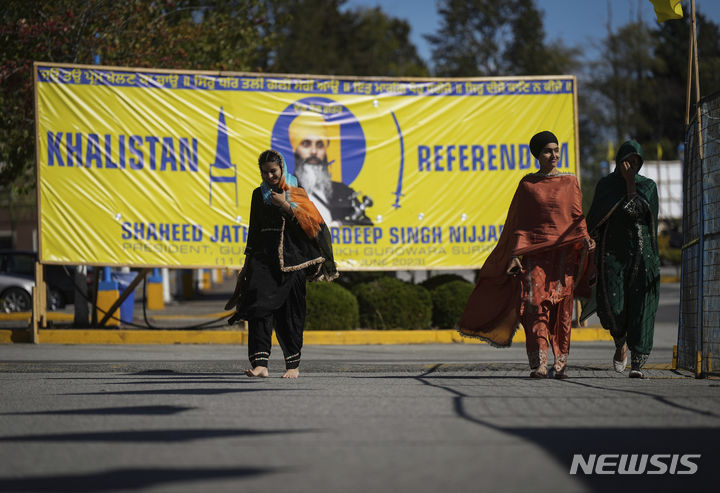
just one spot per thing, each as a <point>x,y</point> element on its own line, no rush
<point>123,296</point>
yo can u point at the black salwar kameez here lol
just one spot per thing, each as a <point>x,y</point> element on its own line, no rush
<point>280,257</point>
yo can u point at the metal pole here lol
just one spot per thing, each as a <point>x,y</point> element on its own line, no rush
<point>691,46</point>
<point>38,307</point>
<point>701,213</point>
<point>81,314</point>
<point>123,296</point>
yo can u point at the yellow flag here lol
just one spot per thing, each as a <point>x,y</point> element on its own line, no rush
<point>610,157</point>
<point>667,9</point>
<point>659,152</point>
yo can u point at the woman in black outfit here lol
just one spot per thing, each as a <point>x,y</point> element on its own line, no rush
<point>287,244</point>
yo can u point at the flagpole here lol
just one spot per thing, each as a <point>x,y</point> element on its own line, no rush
<point>691,46</point>
<point>697,80</point>
<point>701,212</point>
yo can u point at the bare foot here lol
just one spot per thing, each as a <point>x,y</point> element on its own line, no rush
<point>292,373</point>
<point>620,353</point>
<point>258,371</point>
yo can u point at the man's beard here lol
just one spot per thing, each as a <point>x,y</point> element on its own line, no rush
<point>314,176</point>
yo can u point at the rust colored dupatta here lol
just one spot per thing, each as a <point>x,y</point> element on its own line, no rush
<point>545,213</point>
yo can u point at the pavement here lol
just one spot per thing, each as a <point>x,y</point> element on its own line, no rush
<point>395,418</point>
<point>378,418</point>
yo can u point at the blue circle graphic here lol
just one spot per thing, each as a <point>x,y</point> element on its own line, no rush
<point>352,137</point>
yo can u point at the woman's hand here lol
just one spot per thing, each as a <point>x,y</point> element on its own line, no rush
<point>589,244</point>
<point>627,171</point>
<point>239,282</point>
<point>277,199</point>
<point>514,267</point>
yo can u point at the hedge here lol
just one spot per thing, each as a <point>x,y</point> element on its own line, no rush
<point>389,303</point>
<point>433,282</point>
<point>448,302</point>
<point>330,307</point>
<point>350,279</point>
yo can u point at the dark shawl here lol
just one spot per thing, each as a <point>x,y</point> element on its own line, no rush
<point>278,245</point>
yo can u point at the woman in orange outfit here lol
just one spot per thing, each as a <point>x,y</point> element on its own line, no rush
<point>531,274</point>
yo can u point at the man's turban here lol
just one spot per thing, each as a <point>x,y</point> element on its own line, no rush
<point>307,124</point>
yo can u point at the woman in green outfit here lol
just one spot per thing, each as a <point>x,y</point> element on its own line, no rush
<point>623,221</point>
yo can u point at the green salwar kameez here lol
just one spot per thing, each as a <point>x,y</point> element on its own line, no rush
<point>627,290</point>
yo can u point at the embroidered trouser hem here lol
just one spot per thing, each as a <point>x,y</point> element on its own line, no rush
<point>288,328</point>
<point>538,360</point>
<point>292,361</point>
<point>259,359</point>
<point>637,360</point>
<point>547,327</point>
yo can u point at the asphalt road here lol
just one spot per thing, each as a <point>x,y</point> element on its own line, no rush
<point>424,418</point>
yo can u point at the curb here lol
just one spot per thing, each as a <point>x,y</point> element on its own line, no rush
<point>69,317</point>
<point>311,337</point>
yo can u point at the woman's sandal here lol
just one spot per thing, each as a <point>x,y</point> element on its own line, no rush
<point>620,365</point>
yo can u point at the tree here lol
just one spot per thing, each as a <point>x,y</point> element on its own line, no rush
<point>469,39</point>
<point>670,74</point>
<point>319,38</point>
<point>623,79</point>
<point>380,45</point>
<point>527,53</point>
<point>311,38</point>
<point>490,38</point>
<point>641,81</point>
<point>213,34</point>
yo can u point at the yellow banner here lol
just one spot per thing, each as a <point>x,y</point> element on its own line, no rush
<point>156,168</point>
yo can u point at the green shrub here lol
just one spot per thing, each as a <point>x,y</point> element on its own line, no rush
<point>389,303</point>
<point>433,282</point>
<point>449,301</point>
<point>330,307</point>
<point>353,278</point>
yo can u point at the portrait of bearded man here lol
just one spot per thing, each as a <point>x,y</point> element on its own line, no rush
<point>337,202</point>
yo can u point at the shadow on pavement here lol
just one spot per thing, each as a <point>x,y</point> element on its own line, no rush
<point>109,411</point>
<point>177,381</point>
<point>126,479</point>
<point>195,377</point>
<point>146,436</point>
<point>562,443</point>
<point>660,399</point>
<point>182,392</point>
